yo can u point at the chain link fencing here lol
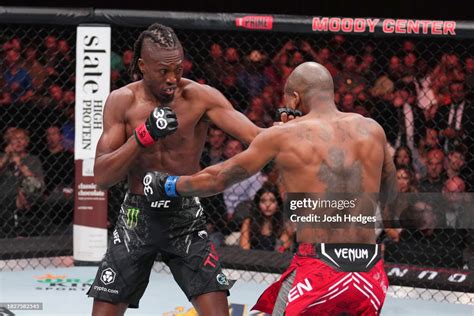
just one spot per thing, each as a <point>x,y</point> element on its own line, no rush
<point>37,135</point>
<point>412,86</point>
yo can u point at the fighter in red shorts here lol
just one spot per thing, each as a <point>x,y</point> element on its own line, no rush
<point>336,270</point>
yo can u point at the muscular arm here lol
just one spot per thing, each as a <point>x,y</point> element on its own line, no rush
<point>115,153</point>
<point>217,178</point>
<point>231,121</point>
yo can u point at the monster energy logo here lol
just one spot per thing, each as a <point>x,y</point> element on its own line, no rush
<point>132,217</point>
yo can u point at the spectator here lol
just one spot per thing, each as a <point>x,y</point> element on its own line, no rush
<point>241,191</point>
<point>469,70</point>
<point>125,78</point>
<point>35,69</point>
<point>21,181</point>
<point>5,97</point>
<point>429,141</point>
<point>214,151</point>
<point>232,63</point>
<point>56,96</point>
<point>57,163</point>
<point>67,129</point>
<point>433,182</point>
<point>324,58</point>
<point>455,163</point>
<point>232,91</point>
<point>280,69</point>
<point>395,70</point>
<point>349,79</point>
<point>419,218</point>
<point>296,59</point>
<point>188,69</point>
<point>14,44</point>
<point>116,69</point>
<point>65,64</point>
<point>338,51</point>
<point>456,121</point>
<point>264,229</point>
<point>410,66</point>
<point>252,77</point>
<point>456,209</point>
<point>403,123</point>
<point>406,180</point>
<point>425,94</point>
<point>258,114</point>
<point>270,100</point>
<point>408,47</point>
<point>215,205</point>
<point>50,56</point>
<point>214,65</point>
<point>17,78</point>
<point>403,157</point>
<point>423,223</point>
<point>406,184</point>
<point>367,68</point>
<point>347,103</point>
<point>307,49</point>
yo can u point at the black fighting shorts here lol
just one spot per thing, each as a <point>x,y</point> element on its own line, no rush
<point>176,228</point>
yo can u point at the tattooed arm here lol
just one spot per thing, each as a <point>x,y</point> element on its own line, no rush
<point>217,178</point>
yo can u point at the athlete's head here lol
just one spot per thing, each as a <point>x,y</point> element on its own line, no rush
<point>309,83</point>
<point>158,58</point>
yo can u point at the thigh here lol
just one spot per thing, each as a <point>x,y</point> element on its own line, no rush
<point>211,304</point>
<point>124,272</point>
<point>198,271</point>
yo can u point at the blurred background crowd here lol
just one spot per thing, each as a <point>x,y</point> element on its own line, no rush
<point>420,91</point>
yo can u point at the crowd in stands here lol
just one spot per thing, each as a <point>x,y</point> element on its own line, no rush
<point>424,102</point>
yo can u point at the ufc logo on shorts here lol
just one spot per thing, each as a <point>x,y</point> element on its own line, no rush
<point>162,204</point>
<point>116,237</point>
<point>146,182</point>
<point>299,289</point>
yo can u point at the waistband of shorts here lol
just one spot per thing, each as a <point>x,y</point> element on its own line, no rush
<point>167,203</point>
<point>315,250</point>
<point>343,256</point>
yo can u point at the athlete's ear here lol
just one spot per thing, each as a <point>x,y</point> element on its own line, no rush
<point>296,104</point>
<point>141,65</point>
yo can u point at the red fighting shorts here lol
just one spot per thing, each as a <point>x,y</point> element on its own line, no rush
<point>329,279</point>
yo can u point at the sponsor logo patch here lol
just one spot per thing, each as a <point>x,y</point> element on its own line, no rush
<point>222,279</point>
<point>108,276</point>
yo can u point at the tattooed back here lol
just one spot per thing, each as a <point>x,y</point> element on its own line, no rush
<point>343,153</point>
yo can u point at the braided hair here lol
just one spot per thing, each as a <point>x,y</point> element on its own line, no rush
<point>160,35</point>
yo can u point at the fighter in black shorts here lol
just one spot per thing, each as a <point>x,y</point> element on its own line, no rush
<point>141,134</point>
<point>175,228</point>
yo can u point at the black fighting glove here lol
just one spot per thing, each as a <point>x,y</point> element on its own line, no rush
<point>289,111</point>
<point>157,185</point>
<point>161,122</point>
